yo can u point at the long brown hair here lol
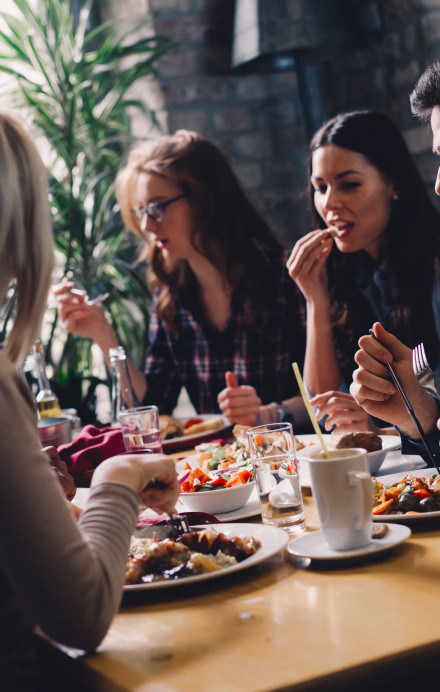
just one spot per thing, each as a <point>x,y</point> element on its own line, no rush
<point>228,229</point>
<point>411,249</point>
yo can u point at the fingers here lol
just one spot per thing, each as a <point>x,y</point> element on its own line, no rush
<point>392,345</point>
<point>309,253</point>
<point>231,380</point>
<point>341,410</point>
<point>240,404</point>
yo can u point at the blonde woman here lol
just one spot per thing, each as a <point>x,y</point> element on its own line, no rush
<point>63,576</point>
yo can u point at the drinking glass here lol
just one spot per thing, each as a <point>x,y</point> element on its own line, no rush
<point>140,429</point>
<point>273,454</point>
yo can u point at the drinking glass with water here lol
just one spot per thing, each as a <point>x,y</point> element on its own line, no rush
<point>140,429</point>
<point>273,453</point>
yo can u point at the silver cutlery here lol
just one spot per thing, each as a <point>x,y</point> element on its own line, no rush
<point>421,368</point>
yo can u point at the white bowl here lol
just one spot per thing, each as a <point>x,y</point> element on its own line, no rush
<point>375,459</point>
<point>218,501</point>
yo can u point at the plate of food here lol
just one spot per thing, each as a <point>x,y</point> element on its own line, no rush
<point>310,444</point>
<point>205,552</point>
<point>407,498</point>
<point>176,431</point>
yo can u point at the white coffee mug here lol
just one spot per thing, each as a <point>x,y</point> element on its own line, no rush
<point>342,490</point>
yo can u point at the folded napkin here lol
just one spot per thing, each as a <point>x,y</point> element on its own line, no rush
<point>92,446</point>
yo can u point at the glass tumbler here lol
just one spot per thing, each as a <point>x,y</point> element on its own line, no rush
<point>273,453</point>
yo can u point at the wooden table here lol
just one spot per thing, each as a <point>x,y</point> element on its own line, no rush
<point>278,626</point>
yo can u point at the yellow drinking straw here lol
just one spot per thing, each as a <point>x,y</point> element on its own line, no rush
<point>309,409</point>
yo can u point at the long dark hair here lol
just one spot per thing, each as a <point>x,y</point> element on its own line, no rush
<point>228,228</point>
<point>411,247</point>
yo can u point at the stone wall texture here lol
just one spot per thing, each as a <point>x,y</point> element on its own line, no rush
<point>258,119</point>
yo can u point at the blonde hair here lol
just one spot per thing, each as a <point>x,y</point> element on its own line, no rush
<point>26,243</point>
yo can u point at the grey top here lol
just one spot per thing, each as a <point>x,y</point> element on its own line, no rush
<point>66,577</point>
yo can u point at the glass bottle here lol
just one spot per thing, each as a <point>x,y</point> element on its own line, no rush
<point>48,405</point>
<point>123,394</point>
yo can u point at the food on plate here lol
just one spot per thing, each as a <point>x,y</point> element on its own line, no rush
<point>410,495</point>
<point>379,530</point>
<point>240,434</point>
<point>169,427</point>
<point>198,425</point>
<point>367,440</point>
<point>195,552</point>
<point>218,466</point>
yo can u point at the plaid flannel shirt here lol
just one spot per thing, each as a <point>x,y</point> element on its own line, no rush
<point>196,356</point>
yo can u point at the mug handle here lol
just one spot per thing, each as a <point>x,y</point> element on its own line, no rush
<point>364,478</point>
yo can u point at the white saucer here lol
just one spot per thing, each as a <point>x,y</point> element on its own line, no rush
<point>314,546</point>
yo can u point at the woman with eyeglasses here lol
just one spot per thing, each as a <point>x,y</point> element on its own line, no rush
<point>225,311</point>
<point>56,573</point>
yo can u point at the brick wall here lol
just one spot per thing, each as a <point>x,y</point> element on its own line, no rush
<point>257,119</point>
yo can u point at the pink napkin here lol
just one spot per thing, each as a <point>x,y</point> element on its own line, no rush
<point>92,446</point>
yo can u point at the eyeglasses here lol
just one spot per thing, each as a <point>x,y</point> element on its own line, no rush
<point>154,210</point>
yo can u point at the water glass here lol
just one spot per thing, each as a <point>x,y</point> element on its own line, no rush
<point>273,454</point>
<point>140,429</point>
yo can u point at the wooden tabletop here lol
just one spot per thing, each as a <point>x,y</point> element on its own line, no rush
<point>278,626</point>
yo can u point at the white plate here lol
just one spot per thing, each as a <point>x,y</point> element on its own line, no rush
<point>250,509</point>
<point>407,518</point>
<point>272,541</point>
<point>389,443</point>
<point>188,439</point>
<point>314,546</point>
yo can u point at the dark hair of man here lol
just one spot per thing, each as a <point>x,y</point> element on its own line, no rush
<point>411,248</point>
<point>426,94</point>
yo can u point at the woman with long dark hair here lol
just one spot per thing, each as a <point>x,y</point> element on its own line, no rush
<point>374,256</point>
<point>224,306</point>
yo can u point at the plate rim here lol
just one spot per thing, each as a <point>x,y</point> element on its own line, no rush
<point>407,518</point>
<point>391,448</point>
<point>189,438</point>
<point>273,540</point>
<point>336,556</point>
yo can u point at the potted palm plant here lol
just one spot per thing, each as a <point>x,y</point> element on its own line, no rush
<point>75,83</point>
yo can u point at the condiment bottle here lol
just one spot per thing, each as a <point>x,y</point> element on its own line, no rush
<point>123,394</point>
<point>48,405</point>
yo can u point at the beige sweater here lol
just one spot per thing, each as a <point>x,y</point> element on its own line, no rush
<point>66,577</point>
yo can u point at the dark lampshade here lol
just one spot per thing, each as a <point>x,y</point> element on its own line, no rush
<point>266,32</point>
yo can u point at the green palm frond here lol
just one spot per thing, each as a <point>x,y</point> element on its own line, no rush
<point>74,82</point>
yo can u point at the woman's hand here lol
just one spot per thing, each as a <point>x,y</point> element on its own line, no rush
<point>306,265</point>
<point>377,395</point>
<point>239,403</point>
<point>343,413</point>
<point>61,471</point>
<point>77,317</point>
<point>137,471</point>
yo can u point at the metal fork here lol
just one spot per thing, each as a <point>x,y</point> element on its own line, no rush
<point>421,368</point>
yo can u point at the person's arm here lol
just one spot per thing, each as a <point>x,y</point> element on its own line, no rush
<point>374,391</point>
<point>90,322</point>
<point>340,413</point>
<point>68,576</point>
<point>307,267</point>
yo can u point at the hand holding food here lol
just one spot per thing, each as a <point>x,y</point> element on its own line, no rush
<point>343,413</point>
<point>306,264</point>
<point>152,476</point>
<point>239,403</point>
<point>374,391</point>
